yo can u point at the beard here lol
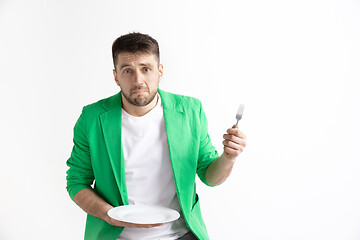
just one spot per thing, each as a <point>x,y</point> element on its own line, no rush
<point>140,100</point>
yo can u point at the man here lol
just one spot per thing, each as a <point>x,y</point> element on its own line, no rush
<point>145,146</point>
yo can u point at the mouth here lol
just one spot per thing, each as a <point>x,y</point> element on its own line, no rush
<point>139,91</point>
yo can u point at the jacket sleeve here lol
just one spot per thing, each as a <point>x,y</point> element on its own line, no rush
<point>80,174</point>
<point>207,152</point>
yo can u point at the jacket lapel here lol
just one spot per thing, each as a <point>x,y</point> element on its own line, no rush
<point>174,121</point>
<point>111,126</point>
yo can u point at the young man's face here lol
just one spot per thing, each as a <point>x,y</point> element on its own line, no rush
<point>138,76</point>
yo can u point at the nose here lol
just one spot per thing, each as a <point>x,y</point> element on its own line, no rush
<point>138,78</point>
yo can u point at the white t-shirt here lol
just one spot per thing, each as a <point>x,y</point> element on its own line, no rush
<point>149,175</point>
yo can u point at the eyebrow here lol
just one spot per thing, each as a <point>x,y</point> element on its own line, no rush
<point>141,64</point>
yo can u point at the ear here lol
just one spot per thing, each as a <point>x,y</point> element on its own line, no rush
<point>115,77</point>
<point>161,71</point>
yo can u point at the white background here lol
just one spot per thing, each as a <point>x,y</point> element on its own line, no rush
<point>295,65</point>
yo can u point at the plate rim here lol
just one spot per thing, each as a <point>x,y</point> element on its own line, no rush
<point>174,214</point>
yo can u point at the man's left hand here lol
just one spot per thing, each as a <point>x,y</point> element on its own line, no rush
<point>234,143</point>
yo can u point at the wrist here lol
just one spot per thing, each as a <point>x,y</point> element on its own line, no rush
<point>227,158</point>
<point>105,216</point>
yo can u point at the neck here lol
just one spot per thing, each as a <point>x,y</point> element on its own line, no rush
<point>138,111</point>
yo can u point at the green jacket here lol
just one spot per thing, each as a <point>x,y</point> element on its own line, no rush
<point>97,155</point>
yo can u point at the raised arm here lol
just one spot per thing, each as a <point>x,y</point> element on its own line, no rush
<point>219,170</point>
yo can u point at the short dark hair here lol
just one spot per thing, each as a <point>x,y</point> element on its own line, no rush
<point>135,43</point>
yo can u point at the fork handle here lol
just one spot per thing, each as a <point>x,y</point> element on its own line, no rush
<point>237,122</point>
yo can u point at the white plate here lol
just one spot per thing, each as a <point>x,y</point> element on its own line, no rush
<point>143,214</point>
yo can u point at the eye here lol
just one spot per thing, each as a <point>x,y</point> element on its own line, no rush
<point>146,69</point>
<point>127,71</point>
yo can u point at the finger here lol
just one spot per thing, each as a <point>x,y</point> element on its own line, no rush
<point>234,139</point>
<point>231,144</point>
<point>232,152</point>
<point>136,225</point>
<point>128,224</point>
<point>148,225</point>
<point>154,225</point>
<point>236,132</point>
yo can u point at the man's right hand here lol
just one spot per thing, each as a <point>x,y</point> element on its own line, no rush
<point>94,205</point>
